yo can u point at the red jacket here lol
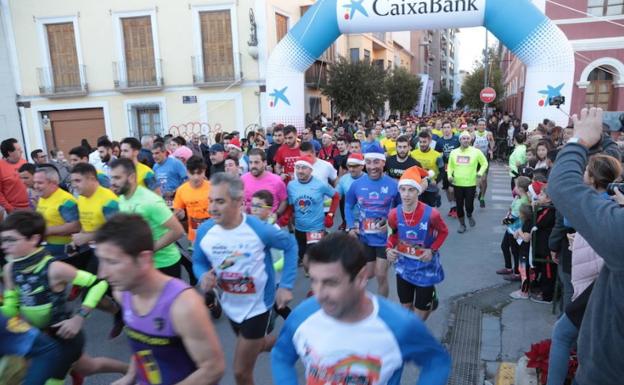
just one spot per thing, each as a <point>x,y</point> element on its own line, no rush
<point>13,193</point>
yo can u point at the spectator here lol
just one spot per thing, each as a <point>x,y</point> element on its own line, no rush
<point>329,151</point>
<point>105,148</point>
<point>13,193</point>
<point>145,154</point>
<point>217,158</point>
<point>204,147</point>
<point>236,151</point>
<point>12,153</point>
<point>116,148</point>
<point>27,173</point>
<point>38,156</point>
<point>195,145</point>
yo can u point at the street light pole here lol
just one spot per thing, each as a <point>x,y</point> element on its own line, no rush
<point>485,71</point>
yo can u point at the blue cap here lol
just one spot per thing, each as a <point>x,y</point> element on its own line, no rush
<point>217,147</point>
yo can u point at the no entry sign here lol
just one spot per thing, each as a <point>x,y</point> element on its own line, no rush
<point>487,95</point>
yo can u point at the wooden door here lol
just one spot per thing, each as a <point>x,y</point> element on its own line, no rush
<point>139,51</point>
<point>217,49</point>
<point>599,93</point>
<point>68,127</point>
<point>281,26</point>
<point>65,72</point>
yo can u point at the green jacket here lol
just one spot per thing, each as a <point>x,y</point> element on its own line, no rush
<point>462,166</point>
<point>517,157</point>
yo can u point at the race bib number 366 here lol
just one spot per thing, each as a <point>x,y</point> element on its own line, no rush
<point>238,285</point>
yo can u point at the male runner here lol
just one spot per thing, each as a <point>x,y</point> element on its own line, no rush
<point>401,161</point>
<point>79,155</point>
<point>444,145</point>
<point>355,165</point>
<point>484,141</point>
<point>232,250</point>
<point>306,196</point>
<point>258,178</point>
<point>172,340</point>
<point>345,335</point>
<point>374,194</point>
<point>287,155</point>
<point>170,172</point>
<point>432,161</point>
<point>130,148</point>
<point>463,175</point>
<point>166,228</point>
<point>418,232</point>
<point>389,143</point>
<point>35,288</point>
<point>58,208</point>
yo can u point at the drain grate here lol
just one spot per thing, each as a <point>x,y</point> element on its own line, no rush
<point>464,335</point>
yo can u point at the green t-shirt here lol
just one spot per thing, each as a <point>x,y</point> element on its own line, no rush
<point>154,210</point>
<point>517,157</point>
<point>462,167</point>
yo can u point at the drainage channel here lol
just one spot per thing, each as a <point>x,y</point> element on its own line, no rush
<point>464,335</point>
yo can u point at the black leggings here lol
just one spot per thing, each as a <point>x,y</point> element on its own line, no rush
<point>465,196</point>
<point>174,270</point>
<point>302,243</point>
<point>510,248</point>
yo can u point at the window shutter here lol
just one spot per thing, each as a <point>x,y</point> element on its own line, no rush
<point>281,26</point>
<point>217,50</point>
<point>63,56</point>
<point>139,50</point>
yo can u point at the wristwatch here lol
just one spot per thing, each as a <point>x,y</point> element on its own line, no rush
<point>84,313</point>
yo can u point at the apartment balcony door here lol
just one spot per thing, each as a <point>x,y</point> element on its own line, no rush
<point>65,70</point>
<point>140,62</point>
<point>217,48</point>
<point>599,92</point>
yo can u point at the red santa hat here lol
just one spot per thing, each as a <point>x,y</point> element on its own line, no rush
<point>415,177</point>
<point>357,159</point>
<point>235,143</point>
<point>305,161</point>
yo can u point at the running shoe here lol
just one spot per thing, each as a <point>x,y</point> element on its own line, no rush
<point>519,294</point>
<point>512,277</point>
<point>537,298</point>
<point>504,271</point>
<point>471,222</point>
<point>462,229</point>
<point>453,212</point>
<point>342,227</point>
<point>211,299</point>
<point>482,203</point>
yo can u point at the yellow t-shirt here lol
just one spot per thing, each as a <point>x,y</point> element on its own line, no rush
<point>195,202</point>
<point>427,159</point>
<point>145,176</point>
<point>58,209</point>
<point>389,146</point>
<point>96,209</point>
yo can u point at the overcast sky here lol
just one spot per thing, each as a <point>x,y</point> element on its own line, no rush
<point>471,43</point>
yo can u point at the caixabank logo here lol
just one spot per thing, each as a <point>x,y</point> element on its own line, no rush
<point>355,8</point>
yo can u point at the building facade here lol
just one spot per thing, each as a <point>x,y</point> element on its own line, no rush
<point>595,29</point>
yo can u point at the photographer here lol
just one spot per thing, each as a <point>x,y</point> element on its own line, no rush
<point>600,222</point>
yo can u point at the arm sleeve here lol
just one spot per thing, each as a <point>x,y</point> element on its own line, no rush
<point>581,205</point>
<point>104,180</point>
<point>334,203</point>
<point>421,348</point>
<point>451,165</point>
<point>393,238</point>
<point>350,201</point>
<point>97,288</point>
<point>557,235</point>
<point>178,203</point>
<point>482,162</point>
<point>110,208</point>
<point>10,306</point>
<point>69,211</point>
<point>150,181</point>
<point>201,263</point>
<point>438,224</point>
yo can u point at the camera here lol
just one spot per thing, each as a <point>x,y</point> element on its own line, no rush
<point>612,186</point>
<point>556,101</point>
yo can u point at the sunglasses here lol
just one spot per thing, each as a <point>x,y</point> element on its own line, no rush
<point>259,206</point>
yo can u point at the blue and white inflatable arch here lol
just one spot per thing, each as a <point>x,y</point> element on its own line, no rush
<point>518,24</point>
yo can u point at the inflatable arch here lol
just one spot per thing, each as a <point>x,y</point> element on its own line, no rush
<point>518,24</point>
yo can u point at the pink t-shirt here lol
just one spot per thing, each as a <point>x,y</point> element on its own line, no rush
<point>267,181</point>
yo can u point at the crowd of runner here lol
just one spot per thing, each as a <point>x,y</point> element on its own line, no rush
<point>130,227</point>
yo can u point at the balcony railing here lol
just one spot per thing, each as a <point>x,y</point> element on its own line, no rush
<point>381,36</point>
<point>62,82</point>
<point>135,77</point>
<point>316,75</point>
<point>215,75</point>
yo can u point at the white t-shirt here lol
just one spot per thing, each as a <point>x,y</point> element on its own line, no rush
<point>324,171</point>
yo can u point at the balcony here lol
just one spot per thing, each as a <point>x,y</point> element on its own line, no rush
<point>142,76</point>
<point>216,74</point>
<point>316,75</point>
<point>381,36</point>
<point>62,83</point>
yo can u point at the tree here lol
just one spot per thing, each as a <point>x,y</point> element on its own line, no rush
<point>445,98</point>
<point>403,90</point>
<point>473,83</point>
<point>355,87</point>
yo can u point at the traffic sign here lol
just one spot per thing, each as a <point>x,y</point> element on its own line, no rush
<point>487,95</point>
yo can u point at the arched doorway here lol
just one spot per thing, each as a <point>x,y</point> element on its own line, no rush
<point>599,92</point>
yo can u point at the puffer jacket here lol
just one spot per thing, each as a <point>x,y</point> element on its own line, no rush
<point>586,265</point>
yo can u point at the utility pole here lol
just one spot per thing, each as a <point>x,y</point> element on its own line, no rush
<point>486,66</point>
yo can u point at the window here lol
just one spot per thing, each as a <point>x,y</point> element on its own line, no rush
<point>366,56</point>
<point>605,7</point>
<point>217,47</point>
<point>599,90</point>
<point>140,63</point>
<point>148,120</point>
<point>64,71</point>
<point>281,26</point>
<point>355,55</point>
<point>315,106</point>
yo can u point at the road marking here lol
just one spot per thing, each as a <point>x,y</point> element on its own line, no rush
<point>503,198</point>
<point>501,191</point>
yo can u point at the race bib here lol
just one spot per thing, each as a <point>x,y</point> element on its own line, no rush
<point>314,236</point>
<point>463,159</point>
<point>409,251</point>
<point>237,284</point>
<point>374,225</point>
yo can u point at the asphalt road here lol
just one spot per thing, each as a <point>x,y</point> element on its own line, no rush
<point>469,261</point>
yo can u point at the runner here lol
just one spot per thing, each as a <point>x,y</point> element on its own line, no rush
<point>321,169</point>
<point>401,161</point>
<point>59,209</point>
<point>375,194</point>
<point>130,148</point>
<point>232,251</point>
<point>463,175</point>
<point>432,161</point>
<point>171,341</point>
<point>79,155</point>
<point>355,165</point>
<point>345,335</point>
<point>444,145</point>
<point>418,232</point>
<point>484,141</point>
<point>169,172</point>
<point>35,288</point>
<point>306,196</point>
<point>389,143</point>
<point>258,178</point>
<point>287,155</point>
<point>166,228</point>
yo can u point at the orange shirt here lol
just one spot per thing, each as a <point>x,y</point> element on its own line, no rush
<point>195,202</point>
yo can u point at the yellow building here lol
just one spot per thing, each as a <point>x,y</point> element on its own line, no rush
<point>85,68</point>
